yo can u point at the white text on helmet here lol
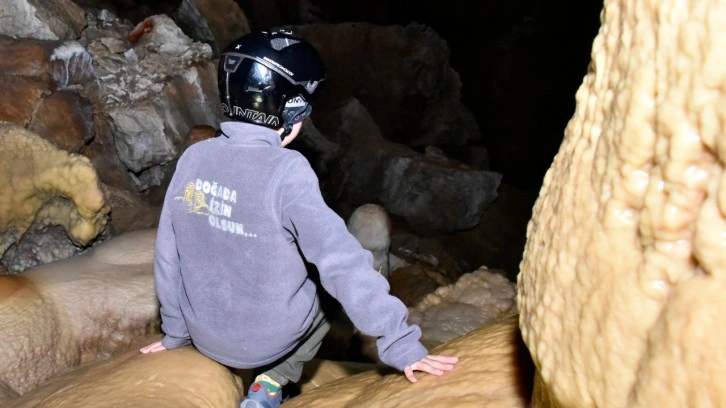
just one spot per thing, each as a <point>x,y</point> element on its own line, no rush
<point>296,102</point>
<point>273,62</point>
<point>251,114</point>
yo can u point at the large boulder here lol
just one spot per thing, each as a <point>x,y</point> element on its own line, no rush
<point>75,311</point>
<point>141,380</point>
<point>494,371</point>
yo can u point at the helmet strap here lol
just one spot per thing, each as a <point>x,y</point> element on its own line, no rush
<point>287,129</point>
<point>294,114</point>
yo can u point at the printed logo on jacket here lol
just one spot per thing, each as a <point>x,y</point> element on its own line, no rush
<point>215,202</point>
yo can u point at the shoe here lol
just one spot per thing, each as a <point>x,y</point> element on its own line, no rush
<point>259,397</point>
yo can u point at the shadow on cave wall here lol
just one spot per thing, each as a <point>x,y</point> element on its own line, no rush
<point>520,63</point>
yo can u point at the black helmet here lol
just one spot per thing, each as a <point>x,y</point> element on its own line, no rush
<point>268,78</point>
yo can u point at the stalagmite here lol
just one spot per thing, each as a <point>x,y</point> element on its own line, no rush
<point>624,268</point>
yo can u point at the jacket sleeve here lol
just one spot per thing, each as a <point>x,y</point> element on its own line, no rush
<point>346,268</point>
<point>167,280</point>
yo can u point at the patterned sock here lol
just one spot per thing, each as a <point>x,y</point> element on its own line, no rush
<point>272,386</point>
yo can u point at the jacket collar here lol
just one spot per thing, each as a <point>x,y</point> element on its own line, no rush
<point>243,132</point>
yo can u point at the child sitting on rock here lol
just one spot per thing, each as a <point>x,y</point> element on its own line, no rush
<point>242,216</point>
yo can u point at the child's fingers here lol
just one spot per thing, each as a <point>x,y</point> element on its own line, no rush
<point>153,347</point>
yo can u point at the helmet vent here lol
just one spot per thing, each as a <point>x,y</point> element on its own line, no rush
<point>311,85</point>
<point>279,43</point>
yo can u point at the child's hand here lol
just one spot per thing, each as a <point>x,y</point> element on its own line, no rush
<point>436,365</point>
<point>153,347</point>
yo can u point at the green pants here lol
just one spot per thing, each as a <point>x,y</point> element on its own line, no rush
<point>289,368</point>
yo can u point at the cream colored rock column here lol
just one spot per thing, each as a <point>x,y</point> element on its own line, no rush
<point>622,290</point>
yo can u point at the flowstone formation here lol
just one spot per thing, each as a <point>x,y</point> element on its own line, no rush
<point>622,280</point>
<point>47,186</point>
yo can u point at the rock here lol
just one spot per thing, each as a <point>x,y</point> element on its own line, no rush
<point>47,186</point>
<point>493,358</point>
<point>43,20</point>
<point>202,21</point>
<point>621,285</point>
<point>371,226</point>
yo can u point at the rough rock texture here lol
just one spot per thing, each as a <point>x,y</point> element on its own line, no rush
<point>494,371</point>
<point>46,20</point>
<point>22,95</point>
<point>91,306</point>
<point>496,361</point>
<point>66,119</point>
<point>141,380</point>
<point>371,226</point>
<point>432,193</point>
<point>621,286</point>
<point>72,330</point>
<point>155,94</point>
<point>413,280</point>
<point>31,58</point>
<point>33,352</point>
<point>203,21</point>
<point>128,96</point>
<point>47,186</point>
<point>477,299</point>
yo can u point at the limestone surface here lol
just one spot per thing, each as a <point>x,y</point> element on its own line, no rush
<point>72,330</point>
<point>624,267</point>
<point>43,184</point>
<point>72,312</point>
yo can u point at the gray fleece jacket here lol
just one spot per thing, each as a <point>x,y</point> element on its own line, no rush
<point>238,213</point>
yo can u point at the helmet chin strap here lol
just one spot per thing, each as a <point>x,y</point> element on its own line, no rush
<point>292,115</point>
<point>287,129</point>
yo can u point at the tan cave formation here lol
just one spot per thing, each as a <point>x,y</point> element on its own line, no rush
<point>46,185</point>
<point>63,314</point>
<point>621,288</point>
<point>73,328</point>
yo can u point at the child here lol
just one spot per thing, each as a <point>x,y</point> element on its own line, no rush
<point>242,216</point>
